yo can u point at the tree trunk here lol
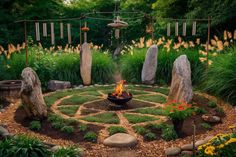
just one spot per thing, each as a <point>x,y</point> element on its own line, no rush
<point>31,95</point>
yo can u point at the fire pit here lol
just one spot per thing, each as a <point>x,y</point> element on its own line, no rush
<point>119,97</point>
<point>10,90</point>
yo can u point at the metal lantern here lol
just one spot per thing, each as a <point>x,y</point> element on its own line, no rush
<point>117,25</point>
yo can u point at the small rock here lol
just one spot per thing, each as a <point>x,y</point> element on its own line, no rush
<point>172,151</point>
<point>54,85</point>
<point>187,153</point>
<point>3,125</point>
<point>200,142</point>
<point>208,138</point>
<point>187,147</point>
<point>4,132</point>
<point>211,118</point>
<point>2,110</point>
<point>55,148</point>
<point>120,140</point>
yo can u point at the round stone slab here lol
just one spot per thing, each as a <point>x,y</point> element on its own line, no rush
<point>120,140</point>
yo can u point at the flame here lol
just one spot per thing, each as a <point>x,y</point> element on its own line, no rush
<point>119,89</point>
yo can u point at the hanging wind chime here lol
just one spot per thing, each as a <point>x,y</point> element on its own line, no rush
<point>85,29</point>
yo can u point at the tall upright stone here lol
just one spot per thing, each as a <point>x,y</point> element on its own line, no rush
<point>181,84</point>
<point>31,95</point>
<point>150,66</point>
<point>85,64</point>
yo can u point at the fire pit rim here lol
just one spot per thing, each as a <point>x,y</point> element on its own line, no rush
<point>115,100</point>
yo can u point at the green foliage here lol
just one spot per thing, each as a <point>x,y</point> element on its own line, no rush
<point>90,136</point>
<point>102,68</point>
<point>77,100</point>
<point>35,125</point>
<point>168,133</point>
<point>220,78</point>
<point>206,125</point>
<point>132,118</point>
<point>212,104</point>
<point>68,110</point>
<point>66,152</point>
<point>140,129</point>
<point>83,127</point>
<point>219,110</point>
<point>152,111</point>
<point>67,129</point>
<point>23,146</point>
<point>57,125</point>
<point>71,121</point>
<point>116,129</point>
<point>199,110</point>
<point>156,98</point>
<point>150,136</point>
<point>55,118</point>
<point>109,117</point>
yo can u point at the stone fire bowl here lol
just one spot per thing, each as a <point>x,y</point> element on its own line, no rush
<point>10,90</point>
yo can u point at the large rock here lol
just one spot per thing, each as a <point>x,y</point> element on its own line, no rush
<point>85,64</point>
<point>120,140</point>
<point>211,118</point>
<point>172,151</point>
<point>54,85</point>
<point>150,65</point>
<point>181,84</point>
<point>31,95</point>
<point>187,147</point>
<point>4,132</point>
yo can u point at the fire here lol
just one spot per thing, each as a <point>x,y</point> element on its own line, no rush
<point>119,89</point>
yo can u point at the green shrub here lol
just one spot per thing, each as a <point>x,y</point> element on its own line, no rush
<point>150,136</point>
<point>35,125</point>
<point>23,146</point>
<point>116,129</point>
<point>212,104</point>
<point>200,110</point>
<point>66,152</point>
<point>67,129</point>
<point>168,133</point>
<point>71,121</point>
<point>140,130</point>
<point>219,110</point>
<point>83,127</point>
<point>90,136</point>
<point>57,125</point>
<point>206,125</point>
<point>220,78</point>
<point>55,118</point>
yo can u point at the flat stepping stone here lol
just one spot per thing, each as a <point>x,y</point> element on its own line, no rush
<point>120,140</point>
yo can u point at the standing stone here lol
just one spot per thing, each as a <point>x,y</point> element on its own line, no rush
<point>150,65</point>
<point>31,95</point>
<point>181,84</point>
<point>85,64</point>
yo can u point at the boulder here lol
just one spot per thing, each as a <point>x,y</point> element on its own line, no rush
<point>31,95</point>
<point>172,151</point>
<point>150,66</point>
<point>4,132</point>
<point>187,153</point>
<point>187,147</point>
<point>181,84</point>
<point>210,118</point>
<point>120,140</point>
<point>54,85</point>
<point>85,64</point>
<point>200,142</point>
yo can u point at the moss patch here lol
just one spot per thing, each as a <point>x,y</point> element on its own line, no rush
<point>152,98</point>
<point>138,118</point>
<point>152,111</point>
<point>109,118</point>
<point>68,110</point>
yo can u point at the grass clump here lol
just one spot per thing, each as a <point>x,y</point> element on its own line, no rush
<point>67,129</point>
<point>212,104</point>
<point>168,133</point>
<point>58,125</point>
<point>66,152</point>
<point>83,127</point>
<point>77,100</point>
<point>109,118</point>
<point>68,110</point>
<point>152,111</point>
<point>116,129</point>
<point>90,136</point>
<point>164,91</point>
<point>152,98</point>
<point>206,125</point>
<point>35,125</point>
<point>138,118</point>
<point>150,136</point>
<point>140,130</point>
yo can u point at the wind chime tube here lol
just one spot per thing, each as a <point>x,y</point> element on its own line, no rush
<point>168,29</point>
<point>45,33</point>
<point>52,34</point>
<point>176,28</point>
<point>69,33</point>
<point>37,33</point>
<point>184,28</point>
<point>85,33</point>
<point>61,31</point>
<point>117,33</point>
<point>194,28</point>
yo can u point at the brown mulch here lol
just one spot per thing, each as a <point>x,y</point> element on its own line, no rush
<point>143,149</point>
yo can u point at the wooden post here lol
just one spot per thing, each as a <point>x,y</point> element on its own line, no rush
<point>208,38</point>
<point>194,134</point>
<point>26,45</point>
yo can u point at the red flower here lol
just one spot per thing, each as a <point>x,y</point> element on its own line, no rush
<point>181,107</point>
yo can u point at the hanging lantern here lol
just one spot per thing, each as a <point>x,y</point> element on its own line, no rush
<point>118,24</point>
<point>85,29</point>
